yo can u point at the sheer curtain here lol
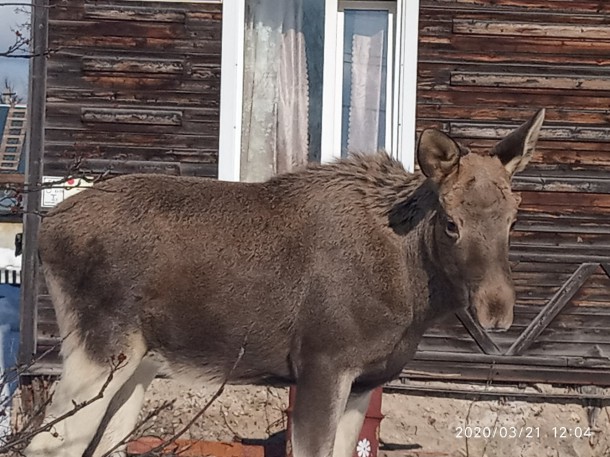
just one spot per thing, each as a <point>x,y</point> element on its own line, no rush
<point>365,100</point>
<point>364,81</point>
<point>275,99</point>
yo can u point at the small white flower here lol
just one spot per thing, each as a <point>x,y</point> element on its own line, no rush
<point>364,448</point>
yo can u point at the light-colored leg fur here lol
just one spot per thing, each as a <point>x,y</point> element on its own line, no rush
<point>125,408</point>
<point>321,399</point>
<point>350,424</point>
<point>82,380</point>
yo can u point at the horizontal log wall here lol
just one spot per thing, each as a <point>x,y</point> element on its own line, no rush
<point>133,86</point>
<point>485,66</point>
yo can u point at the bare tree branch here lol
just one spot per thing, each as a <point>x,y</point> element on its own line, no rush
<point>21,438</point>
<point>140,426</point>
<point>154,452</point>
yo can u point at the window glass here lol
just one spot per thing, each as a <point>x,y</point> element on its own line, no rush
<point>365,59</point>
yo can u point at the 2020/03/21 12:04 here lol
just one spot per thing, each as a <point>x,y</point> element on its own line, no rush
<point>572,432</point>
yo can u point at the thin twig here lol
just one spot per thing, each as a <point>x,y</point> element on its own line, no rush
<point>183,430</point>
<point>165,405</point>
<point>24,437</point>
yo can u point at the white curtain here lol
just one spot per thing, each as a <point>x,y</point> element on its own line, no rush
<point>365,99</point>
<point>275,99</point>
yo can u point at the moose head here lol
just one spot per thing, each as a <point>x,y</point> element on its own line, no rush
<point>477,212</point>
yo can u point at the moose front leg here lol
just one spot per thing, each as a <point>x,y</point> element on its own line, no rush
<point>321,398</point>
<point>350,424</point>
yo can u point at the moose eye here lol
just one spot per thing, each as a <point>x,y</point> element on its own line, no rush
<point>452,229</point>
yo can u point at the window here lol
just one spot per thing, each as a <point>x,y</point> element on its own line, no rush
<point>9,157</point>
<point>10,149</point>
<point>14,132</point>
<point>370,78</point>
<point>12,140</point>
<point>8,165</point>
<point>16,123</point>
<point>349,84</point>
<point>19,114</point>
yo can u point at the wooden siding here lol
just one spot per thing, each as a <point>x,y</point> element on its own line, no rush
<point>131,87</point>
<point>484,67</point>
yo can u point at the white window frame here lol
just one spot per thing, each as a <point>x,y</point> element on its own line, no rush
<point>403,68</point>
<point>231,89</point>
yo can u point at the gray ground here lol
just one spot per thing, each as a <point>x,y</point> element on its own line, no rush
<point>248,412</point>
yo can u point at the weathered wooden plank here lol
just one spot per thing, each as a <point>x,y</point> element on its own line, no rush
<point>532,183</point>
<point>458,53</point>
<point>131,116</point>
<point>509,96</point>
<point>523,46</point>
<point>508,114</point>
<point>566,324</point>
<point>127,13</point>
<point>552,279</point>
<point>166,13</point>
<point>565,82</point>
<point>478,334</point>
<point>107,44</point>
<point>72,28</point>
<point>152,83</point>
<point>541,294</point>
<point>60,167</point>
<point>410,387</point>
<point>581,339</point>
<point>557,256</point>
<point>549,223</point>
<point>564,362</point>
<point>554,307</point>
<point>557,7</point>
<point>85,138</point>
<point>463,129</point>
<point>199,97</point>
<point>131,153</point>
<point>599,241</point>
<point>117,64</point>
<point>451,369</point>
<point>535,29</point>
<point>554,199</point>
<point>68,114</point>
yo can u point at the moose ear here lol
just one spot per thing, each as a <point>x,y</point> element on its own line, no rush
<point>515,151</point>
<point>438,155</point>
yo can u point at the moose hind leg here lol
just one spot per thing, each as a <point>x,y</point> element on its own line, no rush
<point>122,415</point>
<point>83,380</point>
<point>350,424</point>
<point>321,397</point>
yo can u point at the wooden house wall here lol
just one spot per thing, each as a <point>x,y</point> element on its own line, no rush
<point>485,66</point>
<point>144,96</point>
<point>130,87</point>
